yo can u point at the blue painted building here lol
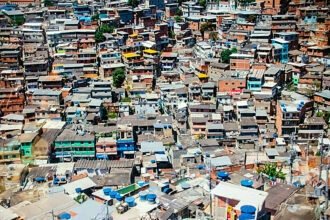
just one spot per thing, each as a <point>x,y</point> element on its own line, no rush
<point>125,141</point>
<point>255,79</point>
<point>81,10</point>
<point>126,15</point>
<point>281,50</point>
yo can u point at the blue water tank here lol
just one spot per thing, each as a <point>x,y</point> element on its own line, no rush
<point>245,216</point>
<point>207,155</point>
<point>151,198</point>
<point>141,183</point>
<point>65,216</point>
<point>248,209</point>
<point>284,109</point>
<point>113,194</point>
<point>119,197</point>
<point>130,201</point>
<point>180,147</point>
<point>143,195</point>
<point>247,183</point>
<point>78,190</point>
<point>185,186</point>
<point>223,174</point>
<point>107,191</point>
<point>153,161</point>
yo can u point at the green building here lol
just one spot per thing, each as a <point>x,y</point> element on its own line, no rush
<point>27,141</point>
<point>16,16</point>
<point>72,145</point>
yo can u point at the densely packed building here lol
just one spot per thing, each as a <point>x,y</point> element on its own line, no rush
<point>164,109</point>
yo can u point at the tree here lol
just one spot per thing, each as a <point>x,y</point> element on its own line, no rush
<point>273,171</point>
<point>325,115</point>
<point>200,136</point>
<point>225,55</point>
<point>171,34</point>
<point>202,3</point>
<point>118,77</point>
<point>214,36</point>
<point>179,12</point>
<point>95,17</point>
<point>106,28</point>
<point>178,18</point>
<point>30,5</point>
<point>208,26</point>
<point>133,3</point>
<point>81,198</point>
<point>99,37</point>
<point>112,115</point>
<point>126,99</point>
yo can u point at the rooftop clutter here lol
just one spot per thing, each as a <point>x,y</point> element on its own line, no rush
<point>164,109</point>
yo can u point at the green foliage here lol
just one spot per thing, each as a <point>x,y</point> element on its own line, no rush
<point>291,87</point>
<point>126,99</point>
<point>133,3</point>
<point>325,115</point>
<point>225,55</point>
<point>273,171</point>
<point>177,18</point>
<point>200,136</point>
<point>118,77</point>
<point>112,116</point>
<point>30,6</point>
<point>99,37</point>
<point>107,28</point>
<point>202,3</point>
<point>95,17</point>
<point>208,26</point>
<point>81,198</point>
<point>318,153</point>
<point>47,3</point>
<point>179,12</point>
<point>214,36</point>
<point>171,34</point>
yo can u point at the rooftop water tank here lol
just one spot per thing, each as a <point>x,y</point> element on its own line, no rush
<point>143,195</point>
<point>130,201</point>
<point>107,191</point>
<point>151,198</point>
<point>247,183</point>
